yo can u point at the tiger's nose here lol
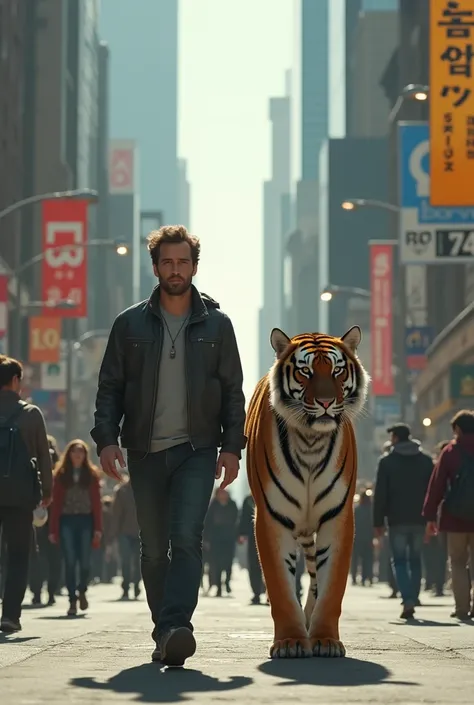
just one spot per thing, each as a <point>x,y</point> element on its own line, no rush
<point>325,403</point>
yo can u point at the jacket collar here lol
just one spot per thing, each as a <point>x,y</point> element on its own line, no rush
<point>9,395</point>
<point>198,307</point>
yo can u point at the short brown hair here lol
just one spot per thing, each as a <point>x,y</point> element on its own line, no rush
<point>9,368</point>
<point>464,420</point>
<point>172,234</point>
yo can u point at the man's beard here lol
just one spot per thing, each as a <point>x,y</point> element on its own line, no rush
<point>176,288</point>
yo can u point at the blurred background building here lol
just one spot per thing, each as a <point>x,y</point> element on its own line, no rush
<point>73,118</point>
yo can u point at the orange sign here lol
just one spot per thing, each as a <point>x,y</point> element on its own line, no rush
<point>45,339</point>
<point>451,102</point>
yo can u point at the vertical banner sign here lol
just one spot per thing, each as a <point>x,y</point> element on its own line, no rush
<point>381,274</point>
<point>64,266</point>
<point>452,102</point>
<point>45,339</point>
<point>122,167</point>
<point>3,313</point>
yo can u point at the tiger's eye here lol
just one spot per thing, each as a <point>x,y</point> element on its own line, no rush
<point>306,370</point>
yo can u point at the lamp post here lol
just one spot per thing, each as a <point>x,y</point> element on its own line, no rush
<point>83,193</point>
<point>351,204</point>
<point>120,248</point>
<point>329,291</point>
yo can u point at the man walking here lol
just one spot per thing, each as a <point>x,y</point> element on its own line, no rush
<point>25,482</point>
<point>403,475</point>
<point>172,371</point>
<point>451,495</point>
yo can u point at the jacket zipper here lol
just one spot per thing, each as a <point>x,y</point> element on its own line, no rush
<point>187,384</point>
<point>155,389</point>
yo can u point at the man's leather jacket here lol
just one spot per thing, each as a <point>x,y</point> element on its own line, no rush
<point>128,378</point>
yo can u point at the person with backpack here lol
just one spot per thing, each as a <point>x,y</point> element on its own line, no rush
<point>402,480</point>
<point>449,507</point>
<point>25,483</point>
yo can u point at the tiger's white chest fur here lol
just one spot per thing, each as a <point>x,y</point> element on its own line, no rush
<point>310,482</point>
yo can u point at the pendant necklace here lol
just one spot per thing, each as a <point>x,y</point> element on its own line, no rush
<point>173,340</point>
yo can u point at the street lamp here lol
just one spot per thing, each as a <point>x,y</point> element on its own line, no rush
<point>426,422</point>
<point>329,291</point>
<point>120,248</point>
<point>351,204</point>
<point>85,193</point>
<point>415,92</point>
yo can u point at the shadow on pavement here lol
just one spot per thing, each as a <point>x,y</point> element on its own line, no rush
<point>327,672</point>
<point>59,617</point>
<point>13,639</point>
<point>152,684</point>
<point>419,622</point>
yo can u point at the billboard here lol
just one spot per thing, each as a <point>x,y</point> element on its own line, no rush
<point>451,102</point>
<point>381,319</point>
<point>428,234</point>
<point>64,269</point>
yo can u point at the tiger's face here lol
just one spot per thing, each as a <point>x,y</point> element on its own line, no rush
<point>317,380</point>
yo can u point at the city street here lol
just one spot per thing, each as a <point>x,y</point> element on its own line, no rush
<point>104,657</point>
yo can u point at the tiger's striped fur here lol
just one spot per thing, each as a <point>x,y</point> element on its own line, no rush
<point>302,467</point>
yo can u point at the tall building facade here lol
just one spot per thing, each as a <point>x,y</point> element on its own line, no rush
<point>309,128</point>
<point>143,37</point>
<point>275,212</point>
<point>13,46</point>
<point>374,40</point>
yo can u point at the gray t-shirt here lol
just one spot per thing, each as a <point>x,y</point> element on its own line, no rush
<point>170,427</point>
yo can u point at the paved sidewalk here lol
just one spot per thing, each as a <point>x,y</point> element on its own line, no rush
<point>104,657</point>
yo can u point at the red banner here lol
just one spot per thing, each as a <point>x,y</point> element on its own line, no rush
<point>64,267</point>
<point>381,275</point>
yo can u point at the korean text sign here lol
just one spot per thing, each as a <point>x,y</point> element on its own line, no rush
<point>451,102</point>
<point>64,265</point>
<point>381,319</point>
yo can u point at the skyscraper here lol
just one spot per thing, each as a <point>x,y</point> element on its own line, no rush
<point>143,39</point>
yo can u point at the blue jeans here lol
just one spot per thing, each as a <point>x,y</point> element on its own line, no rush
<point>75,536</point>
<point>129,547</point>
<point>172,491</point>
<point>406,543</point>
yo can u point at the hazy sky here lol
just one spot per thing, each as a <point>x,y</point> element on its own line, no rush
<point>233,55</point>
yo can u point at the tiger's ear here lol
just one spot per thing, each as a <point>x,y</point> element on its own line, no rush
<point>279,341</point>
<point>352,338</point>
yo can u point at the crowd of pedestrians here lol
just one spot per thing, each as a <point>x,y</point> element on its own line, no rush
<point>169,424</point>
<point>421,510</point>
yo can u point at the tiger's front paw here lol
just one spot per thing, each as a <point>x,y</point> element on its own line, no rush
<point>291,648</point>
<point>327,648</point>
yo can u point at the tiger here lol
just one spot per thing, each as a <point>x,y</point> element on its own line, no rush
<point>302,469</point>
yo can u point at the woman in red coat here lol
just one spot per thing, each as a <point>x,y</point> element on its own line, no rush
<point>76,518</point>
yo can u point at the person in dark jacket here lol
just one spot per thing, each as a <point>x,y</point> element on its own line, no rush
<point>402,479</point>
<point>247,535</point>
<point>363,551</point>
<point>172,372</point>
<point>460,532</point>
<point>221,534</point>
<point>16,515</point>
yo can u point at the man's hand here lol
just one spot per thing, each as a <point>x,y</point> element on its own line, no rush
<point>53,538</point>
<point>108,457</point>
<point>379,532</point>
<point>230,463</point>
<point>45,502</point>
<point>241,540</point>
